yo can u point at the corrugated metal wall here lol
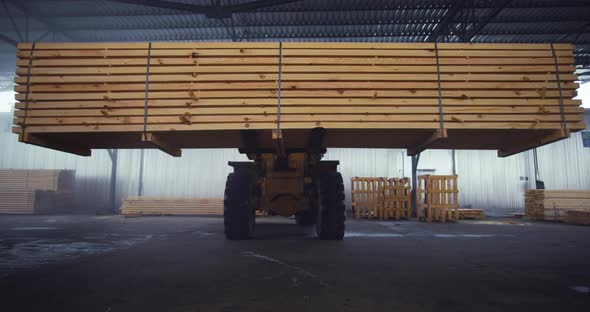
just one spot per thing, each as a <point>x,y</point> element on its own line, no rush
<point>92,173</point>
<point>485,181</point>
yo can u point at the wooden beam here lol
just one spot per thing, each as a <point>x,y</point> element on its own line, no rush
<point>518,147</point>
<point>277,135</point>
<point>433,138</point>
<point>161,144</point>
<point>32,139</point>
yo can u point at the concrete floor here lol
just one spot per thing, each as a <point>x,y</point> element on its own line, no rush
<point>89,263</point>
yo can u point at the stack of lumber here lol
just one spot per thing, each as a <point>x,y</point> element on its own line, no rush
<point>36,191</point>
<point>494,96</point>
<point>145,206</point>
<point>438,198</point>
<point>471,214</point>
<point>557,205</point>
<point>578,217</point>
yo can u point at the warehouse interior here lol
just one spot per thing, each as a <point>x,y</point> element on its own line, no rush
<point>82,250</point>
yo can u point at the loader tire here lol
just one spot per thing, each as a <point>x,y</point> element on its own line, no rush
<point>330,225</point>
<point>239,211</point>
<point>306,217</point>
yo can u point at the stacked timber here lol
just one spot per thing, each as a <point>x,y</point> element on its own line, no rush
<point>482,96</point>
<point>471,214</point>
<point>558,205</point>
<point>146,206</point>
<point>36,191</point>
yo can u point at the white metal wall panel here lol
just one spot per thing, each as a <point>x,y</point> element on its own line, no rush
<point>92,173</point>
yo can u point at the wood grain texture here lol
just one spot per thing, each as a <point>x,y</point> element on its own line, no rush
<point>90,88</point>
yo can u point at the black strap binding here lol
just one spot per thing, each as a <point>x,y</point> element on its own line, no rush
<point>24,124</point>
<point>561,108</point>
<point>440,101</point>
<point>147,91</point>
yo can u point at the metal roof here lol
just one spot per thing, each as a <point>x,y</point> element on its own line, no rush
<point>522,21</point>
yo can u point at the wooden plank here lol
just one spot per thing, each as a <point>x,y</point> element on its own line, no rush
<point>364,110</point>
<point>162,144</point>
<point>518,147</point>
<point>48,143</point>
<point>422,146</point>
<point>271,85</point>
<point>449,105</point>
<point>168,61</point>
<point>128,70</point>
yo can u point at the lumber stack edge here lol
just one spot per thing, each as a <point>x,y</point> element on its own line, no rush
<point>569,206</point>
<point>156,206</point>
<point>77,96</point>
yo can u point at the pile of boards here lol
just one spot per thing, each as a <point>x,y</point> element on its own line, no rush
<point>36,191</point>
<point>471,214</point>
<point>381,198</point>
<point>146,206</point>
<point>450,95</point>
<point>571,206</point>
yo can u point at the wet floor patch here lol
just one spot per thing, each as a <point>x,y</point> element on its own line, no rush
<point>581,289</point>
<point>358,234</point>
<point>35,228</point>
<point>32,253</point>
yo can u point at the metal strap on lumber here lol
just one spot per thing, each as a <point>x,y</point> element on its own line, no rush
<point>561,108</point>
<point>24,124</point>
<point>279,86</point>
<point>440,102</point>
<point>147,90</point>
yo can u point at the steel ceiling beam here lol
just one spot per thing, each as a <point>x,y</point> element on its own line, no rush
<point>442,27</point>
<point>38,15</point>
<point>8,40</point>
<point>481,24</point>
<point>223,11</point>
<point>11,18</point>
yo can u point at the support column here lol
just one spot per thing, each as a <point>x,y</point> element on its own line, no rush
<point>415,160</point>
<point>140,183</point>
<point>113,154</point>
<point>454,160</point>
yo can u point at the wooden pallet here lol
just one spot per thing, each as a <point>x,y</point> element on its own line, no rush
<point>77,96</point>
<point>144,206</point>
<point>397,199</point>
<point>367,197</point>
<point>438,198</point>
<point>36,191</point>
<point>471,214</point>
<point>381,198</point>
<point>557,205</point>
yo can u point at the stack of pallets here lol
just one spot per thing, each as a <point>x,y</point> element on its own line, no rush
<point>36,191</point>
<point>508,97</point>
<point>397,194</point>
<point>438,198</point>
<point>558,205</point>
<point>381,198</point>
<point>144,206</point>
<point>367,197</point>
